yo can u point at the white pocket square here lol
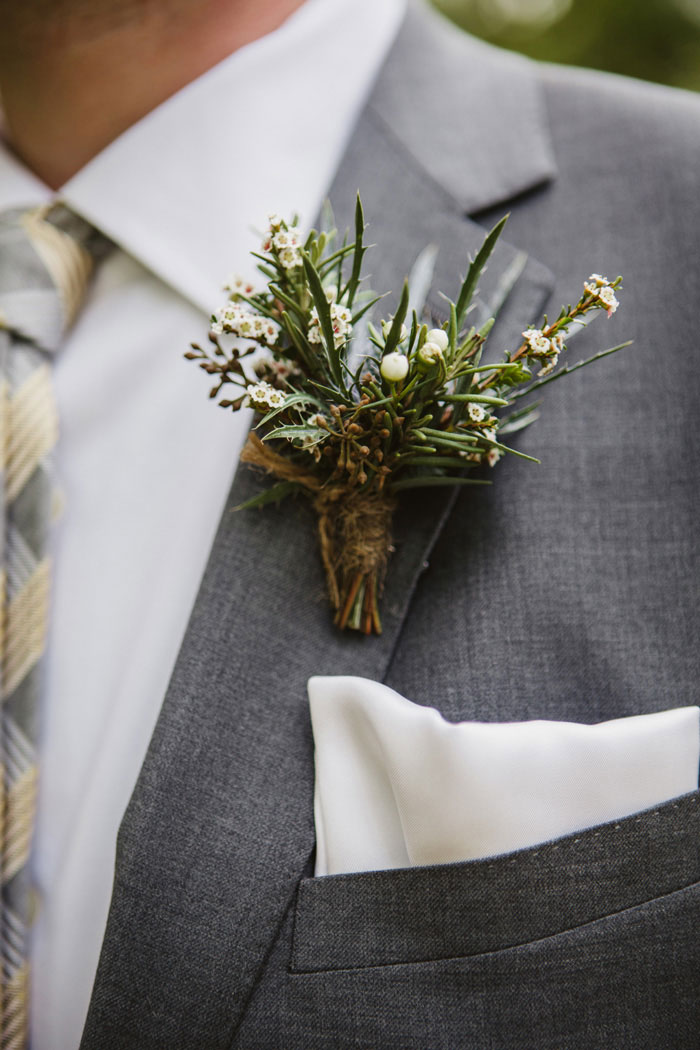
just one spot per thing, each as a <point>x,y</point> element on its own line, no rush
<point>397,785</point>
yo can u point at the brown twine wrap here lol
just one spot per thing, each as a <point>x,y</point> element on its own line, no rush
<point>354,527</point>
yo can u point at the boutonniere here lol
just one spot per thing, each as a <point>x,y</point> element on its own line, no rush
<point>351,413</point>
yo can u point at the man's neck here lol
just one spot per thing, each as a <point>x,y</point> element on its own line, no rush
<point>72,82</point>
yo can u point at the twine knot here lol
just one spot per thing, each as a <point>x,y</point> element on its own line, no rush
<point>355,535</point>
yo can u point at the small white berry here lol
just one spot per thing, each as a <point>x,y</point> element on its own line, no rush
<point>394,367</point>
<point>386,328</point>
<point>438,336</point>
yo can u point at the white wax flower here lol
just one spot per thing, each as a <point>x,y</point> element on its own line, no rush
<point>341,321</point>
<point>550,365</point>
<point>538,341</point>
<point>263,396</point>
<point>290,258</point>
<point>394,367</point>
<point>439,337</point>
<point>289,238</point>
<point>609,300</point>
<point>238,285</point>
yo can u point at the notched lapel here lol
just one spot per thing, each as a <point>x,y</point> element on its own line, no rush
<point>469,115</point>
<point>220,826</point>
<point>406,210</point>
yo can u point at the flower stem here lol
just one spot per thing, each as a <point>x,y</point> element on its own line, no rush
<point>360,611</point>
<point>349,601</point>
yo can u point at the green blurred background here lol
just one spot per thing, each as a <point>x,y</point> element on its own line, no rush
<point>652,39</point>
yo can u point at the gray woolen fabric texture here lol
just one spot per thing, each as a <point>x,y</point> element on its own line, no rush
<point>566,591</point>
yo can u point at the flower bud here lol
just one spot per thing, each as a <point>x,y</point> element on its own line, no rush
<point>438,336</point>
<point>394,367</point>
<point>429,355</point>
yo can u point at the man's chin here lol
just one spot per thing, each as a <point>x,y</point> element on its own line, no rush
<point>84,19</point>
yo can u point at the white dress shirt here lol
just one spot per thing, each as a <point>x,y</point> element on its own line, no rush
<point>145,460</point>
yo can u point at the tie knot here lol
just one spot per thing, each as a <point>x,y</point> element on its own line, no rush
<point>46,258</point>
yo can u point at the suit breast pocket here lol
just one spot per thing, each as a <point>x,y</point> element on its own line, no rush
<point>460,910</point>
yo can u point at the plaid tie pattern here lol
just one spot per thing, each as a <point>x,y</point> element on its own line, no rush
<point>46,257</point>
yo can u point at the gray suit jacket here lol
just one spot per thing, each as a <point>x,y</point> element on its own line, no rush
<point>566,591</point>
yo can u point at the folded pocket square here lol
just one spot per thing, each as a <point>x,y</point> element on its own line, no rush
<point>397,785</point>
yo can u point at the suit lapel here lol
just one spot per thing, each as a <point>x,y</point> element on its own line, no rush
<point>220,825</point>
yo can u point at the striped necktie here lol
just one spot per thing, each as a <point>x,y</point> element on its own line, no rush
<point>46,257</point>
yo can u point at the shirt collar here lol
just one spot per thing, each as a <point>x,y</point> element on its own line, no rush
<point>187,189</point>
<point>18,186</point>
